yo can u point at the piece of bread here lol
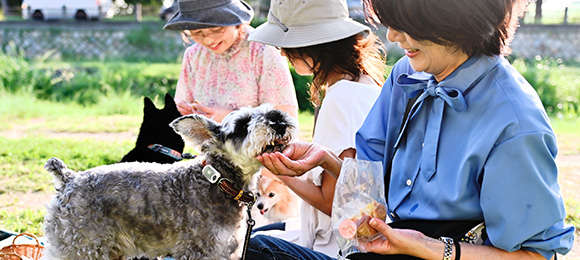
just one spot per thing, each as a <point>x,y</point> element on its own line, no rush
<point>359,224</point>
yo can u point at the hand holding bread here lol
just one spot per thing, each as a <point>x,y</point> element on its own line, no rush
<point>359,224</point>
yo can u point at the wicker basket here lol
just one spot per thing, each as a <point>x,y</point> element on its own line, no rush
<point>11,256</point>
<point>17,252</point>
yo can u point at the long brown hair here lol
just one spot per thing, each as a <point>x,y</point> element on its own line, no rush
<point>360,54</point>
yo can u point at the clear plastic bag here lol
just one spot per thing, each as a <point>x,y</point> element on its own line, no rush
<point>359,196</point>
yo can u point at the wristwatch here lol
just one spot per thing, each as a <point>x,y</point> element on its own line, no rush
<point>448,247</point>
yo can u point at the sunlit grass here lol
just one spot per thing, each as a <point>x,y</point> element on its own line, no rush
<point>568,133</point>
<point>27,220</point>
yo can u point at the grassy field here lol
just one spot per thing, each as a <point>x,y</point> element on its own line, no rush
<point>85,137</point>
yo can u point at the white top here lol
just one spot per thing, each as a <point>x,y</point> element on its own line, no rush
<point>341,114</point>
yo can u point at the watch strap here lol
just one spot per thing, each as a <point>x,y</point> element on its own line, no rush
<point>448,247</point>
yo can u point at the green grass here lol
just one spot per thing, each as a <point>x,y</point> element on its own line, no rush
<point>20,107</point>
<point>170,70</point>
<point>566,126</point>
<point>30,221</point>
<point>556,83</point>
<point>21,159</point>
<point>568,135</point>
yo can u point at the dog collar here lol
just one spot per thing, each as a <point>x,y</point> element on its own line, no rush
<point>226,185</point>
<point>243,196</point>
<point>170,152</point>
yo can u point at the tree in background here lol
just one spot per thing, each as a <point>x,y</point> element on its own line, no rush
<point>10,6</point>
<point>4,7</point>
<point>538,17</point>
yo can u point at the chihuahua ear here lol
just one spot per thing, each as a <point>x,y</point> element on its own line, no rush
<point>196,129</point>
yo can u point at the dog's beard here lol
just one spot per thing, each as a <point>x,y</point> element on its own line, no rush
<point>264,140</point>
<point>277,145</point>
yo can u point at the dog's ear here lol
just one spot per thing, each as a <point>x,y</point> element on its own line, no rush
<point>169,102</point>
<point>196,129</point>
<point>149,106</point>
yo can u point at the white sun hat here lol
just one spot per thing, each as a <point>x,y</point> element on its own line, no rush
<point>301,23</point>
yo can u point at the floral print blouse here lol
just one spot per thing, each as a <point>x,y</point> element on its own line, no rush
<point>248,74</point>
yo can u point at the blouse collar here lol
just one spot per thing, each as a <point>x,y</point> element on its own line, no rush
<point>238,44</point>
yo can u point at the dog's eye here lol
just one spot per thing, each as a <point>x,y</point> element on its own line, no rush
<point>258,194</point>
<point>272,194</point>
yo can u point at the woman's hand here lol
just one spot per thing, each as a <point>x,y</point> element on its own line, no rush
<point>295,160</point>
<point>215,113</point>
<point>393,241</point>
<point>414,243</point>
<point>183,107</point>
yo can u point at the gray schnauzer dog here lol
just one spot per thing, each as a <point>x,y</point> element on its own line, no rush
<point>188,210</point>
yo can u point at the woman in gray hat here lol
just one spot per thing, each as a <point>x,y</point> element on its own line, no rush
<point>223,71</point>
<point>345,58</point>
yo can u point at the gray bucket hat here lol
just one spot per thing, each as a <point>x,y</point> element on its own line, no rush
<point>299,23</point>
<point>200,14</point>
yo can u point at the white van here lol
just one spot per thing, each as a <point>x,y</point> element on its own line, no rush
<point>67,9</point>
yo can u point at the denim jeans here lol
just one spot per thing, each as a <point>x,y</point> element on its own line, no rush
<point>262,247</point>
<point>273,226</point>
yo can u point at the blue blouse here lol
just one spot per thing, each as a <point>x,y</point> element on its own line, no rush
<point>490,156</point>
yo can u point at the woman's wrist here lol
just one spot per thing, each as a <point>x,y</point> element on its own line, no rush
<point>431,248</point>
<point>332,164</point>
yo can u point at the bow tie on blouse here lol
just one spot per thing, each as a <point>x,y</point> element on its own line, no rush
<point>441,96</point>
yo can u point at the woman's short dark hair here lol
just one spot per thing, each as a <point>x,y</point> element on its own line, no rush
<point>477,27</point>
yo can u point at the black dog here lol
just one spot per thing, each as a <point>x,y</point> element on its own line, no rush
<point>157,141</point>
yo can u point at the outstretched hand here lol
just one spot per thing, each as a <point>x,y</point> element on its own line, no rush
<point>295,160</point>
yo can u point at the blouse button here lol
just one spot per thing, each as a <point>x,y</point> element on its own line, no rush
<point>409,182</point>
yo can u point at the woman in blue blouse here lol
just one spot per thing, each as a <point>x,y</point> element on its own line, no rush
<point>476,145</point>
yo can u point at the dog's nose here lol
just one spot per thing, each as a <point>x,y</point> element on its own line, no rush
<point>279,127</point>
<point>260,206</point>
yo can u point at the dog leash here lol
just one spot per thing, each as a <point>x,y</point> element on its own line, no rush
<point>170,152</point>
<point>239,195</point>
<point>251,224</point>
<point>248,199</point>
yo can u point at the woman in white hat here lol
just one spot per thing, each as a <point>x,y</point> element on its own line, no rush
<point>224,71</point>
<point>348,67</point>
